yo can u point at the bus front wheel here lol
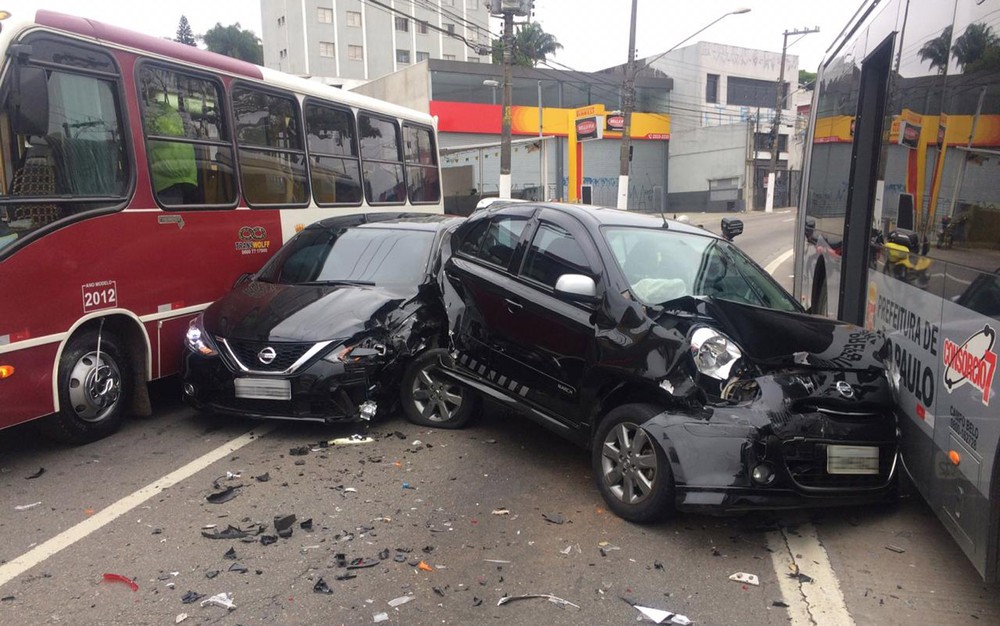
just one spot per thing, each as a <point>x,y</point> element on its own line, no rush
<point>95,385</point>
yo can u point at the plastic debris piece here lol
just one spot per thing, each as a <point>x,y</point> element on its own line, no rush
<point>299,451</point>
<point>283,525</point>
<point>118,578</point>
<point>212,573</point>
<point>659,616</point>
<point>306,524</point>
<point>231,532</point>
<point>401,600</point>
<point>743,577</point>
<point>221,599</point>
<point>225,495</point>
<point>346,576</point>
<point>553,599</point>
<point>895,549</point>
<point>799,576</point>
<point>41,470</point>
<point>238,568</point>
<point>230,554</point>
<point>384,554</point>
<point>495,561</point>
<point>658,565</point>
<point>438,590</point>
<point>501,512</point>
<point>8,598</point>
<point>380,617</point>
<point>263,478</point>
<point>267,540</point>
<point>367,410</point>
<point>399,435</point>
<point>424,567</point>
<point>180,618</point>
<point>477,601</point>
<point>191,597</point>
<point>779,603</point>
<point>566,550</point>
<point>352,440</point>
<point>362,562</point>
<point>408,486</point>
<point>554,518</point>
<point>399,558</point>
<point>25,507</point>
<point>322,587</point>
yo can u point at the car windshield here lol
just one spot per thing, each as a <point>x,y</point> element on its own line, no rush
<point>360,255</point>
<point>662,265</point>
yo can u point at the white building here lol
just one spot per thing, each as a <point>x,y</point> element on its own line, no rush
<point>721,113</point>
<point>347,42</point>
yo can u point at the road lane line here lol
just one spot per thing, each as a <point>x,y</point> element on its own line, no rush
<point>818,602</point>
<point>98,520</point>
<point>773,265</point>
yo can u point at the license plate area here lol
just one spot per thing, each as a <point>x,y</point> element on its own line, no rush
<point>852,459</point>
<point>263,388</point>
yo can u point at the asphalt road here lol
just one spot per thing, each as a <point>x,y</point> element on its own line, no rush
<point>470,504</point>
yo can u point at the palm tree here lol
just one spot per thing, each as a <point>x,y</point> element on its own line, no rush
<point>531,46</point>
<point>935,51</point>
<point>974,44</point>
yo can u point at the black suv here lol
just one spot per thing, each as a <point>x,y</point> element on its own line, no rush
<point>695,379</point>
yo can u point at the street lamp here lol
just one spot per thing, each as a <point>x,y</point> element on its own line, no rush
<point>494,84</point>
<point>628,89</point>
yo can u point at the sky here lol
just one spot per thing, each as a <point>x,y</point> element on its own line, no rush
<point>594,33</point>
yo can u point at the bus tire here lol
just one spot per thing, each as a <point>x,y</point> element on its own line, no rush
<point>820,299</point>
<point>94,391</point>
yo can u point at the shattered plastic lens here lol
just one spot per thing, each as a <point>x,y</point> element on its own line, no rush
<point>197,339</point>
<point>714,354</point>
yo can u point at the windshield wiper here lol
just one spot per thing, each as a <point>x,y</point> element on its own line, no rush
<point>362,283</point>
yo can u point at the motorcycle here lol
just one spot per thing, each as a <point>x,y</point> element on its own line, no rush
<point>902,261</point>
<point>949,227</point>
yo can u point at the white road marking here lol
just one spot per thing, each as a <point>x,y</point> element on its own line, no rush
<point>791,219</point>
<point>773,265</point>
<point>98,520</point>
<point>818,602</point>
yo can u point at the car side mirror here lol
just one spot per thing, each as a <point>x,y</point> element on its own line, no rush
<point>577,287</point>
<point>731,227</point>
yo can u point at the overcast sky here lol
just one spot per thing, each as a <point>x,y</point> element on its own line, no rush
<point>594,33</point>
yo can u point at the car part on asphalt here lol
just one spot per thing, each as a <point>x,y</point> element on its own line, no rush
<point>118,578</point>
<point>283,525</point>
<point>220,599</point>
<point>225,495</point>
<point>322,587</point>
<point>553,599</point>
<point>743,577</point>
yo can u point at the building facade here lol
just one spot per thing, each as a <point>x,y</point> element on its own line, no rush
<point>347,42</point>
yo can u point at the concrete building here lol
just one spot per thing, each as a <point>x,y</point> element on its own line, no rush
<point>347,42</point>
<point>721,109</point>
<point>466,98</point>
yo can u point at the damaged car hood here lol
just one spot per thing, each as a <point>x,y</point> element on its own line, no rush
<point>260,311</point>
<point>774,338</point>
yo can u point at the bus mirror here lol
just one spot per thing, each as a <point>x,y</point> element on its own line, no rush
<point>30,103</point>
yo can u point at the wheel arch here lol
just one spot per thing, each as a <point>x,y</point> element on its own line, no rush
<point>127,326</point>
<point>618,392</point>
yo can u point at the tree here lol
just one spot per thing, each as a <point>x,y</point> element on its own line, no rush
<point>531,46</point>
<point>807,79</point>
<point>184,33</point>
<point>235,42</point>
<point>935,51</point>
<point>973,44</point>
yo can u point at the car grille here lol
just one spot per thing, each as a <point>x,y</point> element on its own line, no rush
<point>286,354</point>
<point>805,461</point>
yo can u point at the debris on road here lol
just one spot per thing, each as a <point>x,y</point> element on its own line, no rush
<point>180,618</point>
<point>352,440</point>
<point>299,451</point>
<point>306,525</point>
<point>25,507</point>
<point>322,587</point>
<point>266,540</point>
<point>118,578</point>
<point>424,567</point>
<point>501,512</point>
<point>401,600</point>
<point>221,599</point>
<point>895,549</point>
<point>41,470</point>
<point>263,478</point>
<point>362,563</point>
<point>283,525</point>
<point>659,616</point>
<point>554,518</point>
<point>231,532</point>
<point>553,599</point>
<point>191,597</point>
<point>225,495</point>
<point>239,568</point>
<point>408,486</point>
<point>779,603</point>
<point>230,554</point>
<point>496,561</point>
<point>743,577</point>
<point>380,617</point>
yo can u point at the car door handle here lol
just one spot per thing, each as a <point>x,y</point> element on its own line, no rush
<point>513,306</point>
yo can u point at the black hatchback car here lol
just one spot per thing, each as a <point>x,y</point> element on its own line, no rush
<point>696,381</point>
<point>327,328</point>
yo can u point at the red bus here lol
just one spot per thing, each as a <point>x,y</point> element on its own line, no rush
<point>139,178</point>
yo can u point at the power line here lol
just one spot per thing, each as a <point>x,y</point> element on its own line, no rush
<point>397,13</point>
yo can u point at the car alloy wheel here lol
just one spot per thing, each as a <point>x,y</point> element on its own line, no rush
<point>628,463</point>
<point>437,400</point>
<point>429,398</point>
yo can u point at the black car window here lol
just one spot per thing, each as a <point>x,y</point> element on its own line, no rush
<point>554,252</point>
<point>472,238</point>
<point>501,238</point>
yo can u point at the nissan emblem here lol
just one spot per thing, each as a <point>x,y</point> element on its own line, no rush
<point>267,355</point>
<point>843,387</point>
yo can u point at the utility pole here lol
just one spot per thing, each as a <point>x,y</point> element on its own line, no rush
<point>628,103</point>
<point>779,99</point>
<point>508,9</point>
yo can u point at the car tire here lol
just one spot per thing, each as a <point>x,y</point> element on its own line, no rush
<point>94,391</point>
<point>631,469</point>
<point>429,399</point>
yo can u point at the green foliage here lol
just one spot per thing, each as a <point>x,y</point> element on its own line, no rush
<point>935,51</point>
<point>235,42</point>
<point>532,45</point>
<point>807,79</point>
<point>973,45</point>
<point>184,33</point>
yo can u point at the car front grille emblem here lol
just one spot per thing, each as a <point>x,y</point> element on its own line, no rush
<point>845,389</point>
<point>267,355</point>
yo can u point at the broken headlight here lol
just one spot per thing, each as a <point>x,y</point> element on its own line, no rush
<point>714,354</point>
<point>356,353</point>
<point>197,340</point>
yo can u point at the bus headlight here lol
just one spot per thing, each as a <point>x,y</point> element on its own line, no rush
<point>714,354</point>
<point>197,340</point>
